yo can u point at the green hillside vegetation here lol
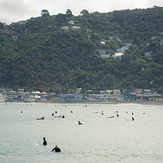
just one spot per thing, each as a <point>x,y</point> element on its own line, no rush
<point>37,54</point>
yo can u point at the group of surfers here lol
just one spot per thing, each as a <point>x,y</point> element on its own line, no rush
<point>55,149</point>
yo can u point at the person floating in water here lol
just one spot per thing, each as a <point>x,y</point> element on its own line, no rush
<point>133,119</point>
<point>44,141</point>
<point>117,115</point>
<point>56,149</point>
<point>42,118</point>
<point>79,123</point>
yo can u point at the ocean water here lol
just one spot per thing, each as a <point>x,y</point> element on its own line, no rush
<point>99,140</point>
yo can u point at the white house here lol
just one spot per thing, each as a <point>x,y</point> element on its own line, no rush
<point>64,28</point>
<point>75,27</point>
<point>71,22</point>
<point>44,12</point>
<point>109,92</point>
<point>147,91</point>
<point>117,55</point>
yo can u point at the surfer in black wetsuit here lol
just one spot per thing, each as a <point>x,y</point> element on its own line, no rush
<point>44,141</point>
<point>42,118</point>
<point>56,149</point>
<point>79,123</point>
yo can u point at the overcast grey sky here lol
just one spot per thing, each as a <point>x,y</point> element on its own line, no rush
<point>17,10</point>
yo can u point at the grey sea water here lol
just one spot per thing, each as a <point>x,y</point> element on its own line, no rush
<point>99,140</point>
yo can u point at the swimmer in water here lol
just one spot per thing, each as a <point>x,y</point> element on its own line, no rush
<point>42,118</point>
<point>44,141</point>
<point>56,149</point>
<point>79,123</point>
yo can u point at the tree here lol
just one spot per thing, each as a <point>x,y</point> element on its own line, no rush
<point>109,81</point>
<point>69,13</point>
<point>44,13</point>
<point>84,13</point>
<point>60,18</point>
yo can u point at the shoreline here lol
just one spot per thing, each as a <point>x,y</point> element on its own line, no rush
<point>85,103</point>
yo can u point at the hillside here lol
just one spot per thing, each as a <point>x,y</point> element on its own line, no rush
<point>62,52</point>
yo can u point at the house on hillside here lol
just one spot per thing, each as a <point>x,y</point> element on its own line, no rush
<point>71,22</point>
<point>128,96</point>
<point>70,98</point>
<point>75,27</point>
<point>19,23</point>
<point>44,13</point>
<point>147,91</point>
<point>138,90</point>
<point>116,92</point>
<point>118,56</point>
<point>109,92</point>
<point>64,28</point>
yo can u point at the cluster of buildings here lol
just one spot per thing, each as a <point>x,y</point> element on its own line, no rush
<point>107,96</point>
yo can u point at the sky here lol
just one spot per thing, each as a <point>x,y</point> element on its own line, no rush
<point>18,10</point>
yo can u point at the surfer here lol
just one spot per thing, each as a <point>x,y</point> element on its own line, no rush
<point>79,123</point>
<point>56,149</point>
<point>44,141</point>
<point>42,118</point>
